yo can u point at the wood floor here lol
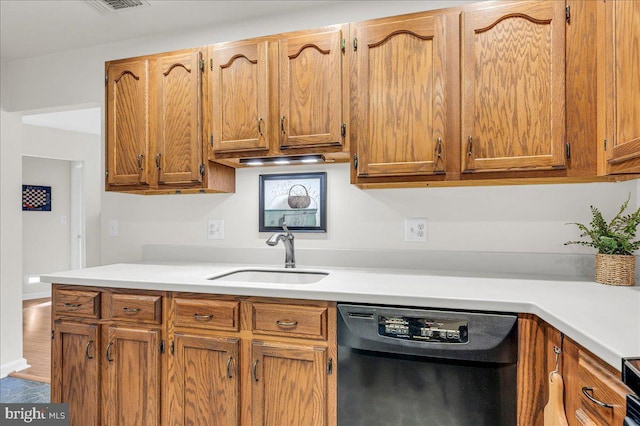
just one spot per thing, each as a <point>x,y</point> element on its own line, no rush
<point>36,340</point>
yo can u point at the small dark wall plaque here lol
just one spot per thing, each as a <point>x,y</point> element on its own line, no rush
<point>36,198</point>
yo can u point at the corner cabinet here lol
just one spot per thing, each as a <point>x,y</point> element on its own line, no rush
<point>154,126</point>
<point>399,85</point>
<point>619,86</point>
<point>513,98</point>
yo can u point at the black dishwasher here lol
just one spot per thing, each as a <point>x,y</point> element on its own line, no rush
<point>410,367</point>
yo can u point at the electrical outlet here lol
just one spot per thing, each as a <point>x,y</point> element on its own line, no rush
<point>113,228</point>
<point>415,229</point>
<point>215,229</point>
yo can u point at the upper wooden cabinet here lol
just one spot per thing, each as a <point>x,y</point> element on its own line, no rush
<point>127,122</point>
<point>177,100</point>
<point>240,95</point>
<point>313,89</point>
<point>619,86</point>
<point>154,126</point>
<point>285,94</point>
<point>513,97</point>
<point>399,85</point>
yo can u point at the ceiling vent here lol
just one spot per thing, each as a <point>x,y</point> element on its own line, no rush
<point>110,6</point>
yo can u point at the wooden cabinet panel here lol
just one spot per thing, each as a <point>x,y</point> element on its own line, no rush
<point>619,84</point>
<point>207,385</point>
<point>211,314</point>
<point>311,89</point>
<point>513,96</point>
<point>289,385</point>
<point>127,121</point>
<point>240,96</point>
<point>136,307</point>
<point>76,303</point>
<point>133,373</point>
<point>598,383</point>
<point>76,371</point>
<point>399,87</point>
<point>288,320</point>
<point>178,112</point>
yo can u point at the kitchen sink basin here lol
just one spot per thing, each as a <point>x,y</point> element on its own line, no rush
<point>272,277</point>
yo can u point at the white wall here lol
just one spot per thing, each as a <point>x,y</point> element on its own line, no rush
<point>10,244</point>
<point>74,146</point>
<point>46,238</point>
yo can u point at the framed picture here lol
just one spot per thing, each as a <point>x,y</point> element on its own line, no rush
<point>36,198</point>
<point>297,199</point>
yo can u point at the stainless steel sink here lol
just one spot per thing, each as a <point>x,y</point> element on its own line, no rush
<point>272,277</point>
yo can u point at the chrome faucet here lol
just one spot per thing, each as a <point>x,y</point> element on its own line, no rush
<point>287,239</point>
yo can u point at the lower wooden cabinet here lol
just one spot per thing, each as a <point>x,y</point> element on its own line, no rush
<point>76,371</point>
<point>207,381</point>
<point>163,358</point>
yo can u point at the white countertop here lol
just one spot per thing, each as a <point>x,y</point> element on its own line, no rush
<point>604,319</point>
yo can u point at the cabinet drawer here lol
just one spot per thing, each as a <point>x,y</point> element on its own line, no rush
<point>290,320</point>
<point>77,303</point>
<point>598,386</point>
<point>136,307</point>
<point>213,314</point>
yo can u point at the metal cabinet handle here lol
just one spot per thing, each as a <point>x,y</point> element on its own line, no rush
<point>585,392</point>
<point>202,317</point>
<point>158,161</point>
<point>130,310</point>
<point>140,157</point>
<point>71,305</point>
<point>282,124</point>
<point>470,152</point>
<point>86,350</point>
<point>439,147</point>
<point>106,353</point>
<point>286,323</point>
<point>260,121</point>
<point>229,375</point>
<point>255,371</point>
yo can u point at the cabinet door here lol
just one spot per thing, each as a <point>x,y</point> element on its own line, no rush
<point>311,89</point>
<point>513,87</point>
<point>127,122</point>
<point>207,381</point>
<point>177,89</point>
<point>400,96</point>
<point>240,97</point>
<point>133,376</point>
<point>289,385</point>
<point>76,371</point>
<point>619,82</point>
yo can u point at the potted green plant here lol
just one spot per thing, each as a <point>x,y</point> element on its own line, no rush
<point>615,262</point>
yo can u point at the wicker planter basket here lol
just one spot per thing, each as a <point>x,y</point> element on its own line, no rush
<point>614,269</point>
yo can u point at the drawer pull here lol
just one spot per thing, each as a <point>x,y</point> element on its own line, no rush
<point>72,305</point>
<point>203,317</point>
<point>130,310</point>
<point>255,371</point>
<point>586,392</point>
<point>287,323</point>
<point>106,353</point>
<point>229,375</point>
<point>86,350</point>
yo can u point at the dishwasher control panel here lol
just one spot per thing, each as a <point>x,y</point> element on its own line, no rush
<point>423,329</point>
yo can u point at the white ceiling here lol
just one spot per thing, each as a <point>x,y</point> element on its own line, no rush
<point>30,28</point>
<point>37,27</point>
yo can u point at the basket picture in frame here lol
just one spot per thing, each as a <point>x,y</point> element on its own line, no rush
<point>297,199</point>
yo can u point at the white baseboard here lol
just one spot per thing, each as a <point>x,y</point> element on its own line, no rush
<point>40,295</point>
<point>10,367</point>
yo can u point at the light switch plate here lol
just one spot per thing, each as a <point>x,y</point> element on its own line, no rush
<point>215,229</point>
<point>113,228</point>
<point>415,229</point>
